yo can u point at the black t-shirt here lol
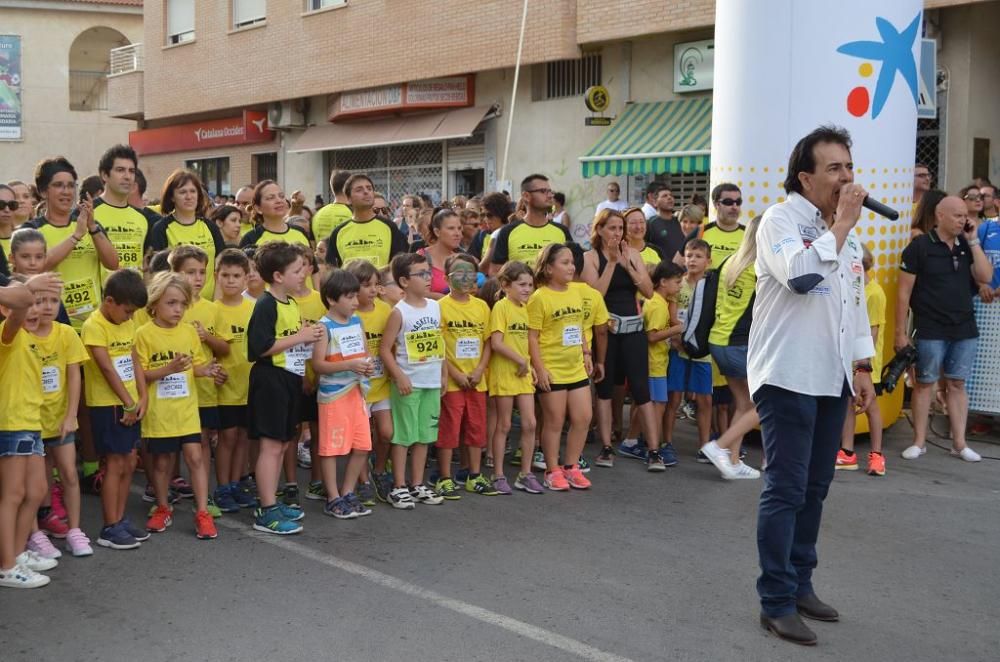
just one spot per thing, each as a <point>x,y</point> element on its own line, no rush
<point>942,293</point>
<point>667,234</point>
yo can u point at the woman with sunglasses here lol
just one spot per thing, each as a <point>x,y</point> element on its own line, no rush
<point>26,199</point>
<point>8,207</point>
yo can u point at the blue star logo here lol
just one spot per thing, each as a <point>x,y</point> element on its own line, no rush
<point>895,51</point>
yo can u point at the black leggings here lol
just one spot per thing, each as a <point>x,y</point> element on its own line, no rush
<point>627,360</point>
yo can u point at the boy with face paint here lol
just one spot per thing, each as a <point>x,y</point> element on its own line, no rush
<point>465,320</point>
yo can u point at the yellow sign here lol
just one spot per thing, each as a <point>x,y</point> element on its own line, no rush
<point>597,98</point>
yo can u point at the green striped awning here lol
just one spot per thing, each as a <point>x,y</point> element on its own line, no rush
<point>653,138</point>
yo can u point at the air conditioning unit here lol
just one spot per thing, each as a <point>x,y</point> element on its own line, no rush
<point>286,114</point>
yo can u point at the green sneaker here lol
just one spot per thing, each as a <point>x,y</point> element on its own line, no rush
<point>447,488</point>
<point>482,485</point>
<point>316,491</point>
<point>212,509</point>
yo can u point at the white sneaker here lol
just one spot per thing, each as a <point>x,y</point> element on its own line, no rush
<point>425,495</point>
<point>967,454</point>
<point>538,461</point>
<point>400,498</point>
<point>720,458</point>
<point>302,455</point>
<point>742,471</point>
<point>913,452</point>
<point>33,561</point>
<point>22,577</point>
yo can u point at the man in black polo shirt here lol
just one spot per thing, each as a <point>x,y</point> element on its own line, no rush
<point>664,230</point>
<point>940,273</point>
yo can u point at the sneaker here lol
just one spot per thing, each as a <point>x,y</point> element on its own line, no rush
<point>701,458</point>
<point>161,518</point>
<point>538,461</point>
<point>224,500</point>
<point>40,544</point>
<point>291,513</point>
<point>53,526</point>
<point>743,452</point>
<point>92,484</point>
<point>461,476</point>
<point>529,483</point>
<point>212,509</point>
<point>583,465</point>
<point>720,457</point>
<point>21,577</point>
<point>846,462</point>
<point>58,504</point>
<point>137,533</point>
<point>480,484</point>
<point>290,495</point>
<point>33,561</point>
<point>270,520</point>
<point>501,486</point>
<point>366,494</point>
<point>654,462</point>
<point>687,411</point>
<point>606,458</point>
<point>425,495</point>
<point>359,506</point>
<point>636,451</point>
<point>204,526</point>
<point>447,488</point>
<point>78,544</point>
<point>383,486</point>
<point>516,457</point>
<point>555,480</point>
<point>182,487</point>
<point>876,464</point>
<point>243,496</point>
<point>117,536</point>
<point>742,472</point>
<point>149,495</point>
<point>316,491</point>
<point>668,454</point>
<point>967,454</point>
<point>913,452</point>
<point>340,508</point>
<point>489,462</point>
<point>576,479</point>
<point>400,498</point>
<point>302,456</point>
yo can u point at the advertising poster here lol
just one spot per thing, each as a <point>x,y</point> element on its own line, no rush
<point>10,87</point>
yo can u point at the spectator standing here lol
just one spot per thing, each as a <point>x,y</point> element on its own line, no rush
<point>649,205</point>
<point>613,202</point>
<point>664,230</point>
<point>329,217</point>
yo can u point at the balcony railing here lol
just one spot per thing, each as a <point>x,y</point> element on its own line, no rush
<point>88,90</point>
<point>126,59</point>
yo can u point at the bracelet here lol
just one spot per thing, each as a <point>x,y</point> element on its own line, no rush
<point>133,408</point>
<point>99,230</point>
<point>863,367</point>
<point>76,240</point>
<point>973,242</point>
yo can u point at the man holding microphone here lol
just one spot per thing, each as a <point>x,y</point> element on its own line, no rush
<point>808,360</point>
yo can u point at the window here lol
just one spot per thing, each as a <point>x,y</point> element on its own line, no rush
<point>396,170</point>
<point>214,174</point>
<point>316,5</point>
<point>248,12</point>
<point>265,166</point>
<point>682,185</point>
<point>180,21</point>
<point>565,78</point>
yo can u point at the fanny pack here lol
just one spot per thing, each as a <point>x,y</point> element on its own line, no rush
<point>620,325</point>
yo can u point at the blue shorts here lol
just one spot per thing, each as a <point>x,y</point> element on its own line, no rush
<point>21,444</point>
<point>60,441</point>
<point>164,445</point>
<point>658,389</point>
<point>731,359</point>
<point>110,436</point>
<point>209,417</point>
<point>950,358</point>
<point>685,375</point>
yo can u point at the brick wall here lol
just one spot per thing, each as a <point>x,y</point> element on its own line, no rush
<point>599,20</point>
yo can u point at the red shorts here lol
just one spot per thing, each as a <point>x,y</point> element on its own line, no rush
<point>463,416</point>
<point>343,425</point>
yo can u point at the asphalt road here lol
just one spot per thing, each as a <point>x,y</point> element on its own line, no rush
<point>643,567</point>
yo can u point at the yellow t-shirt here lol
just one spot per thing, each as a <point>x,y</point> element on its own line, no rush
<point>523,242</point>
<point>656,317</point>
<point>595,311</point>
<point>21,375</point>
<point>273,319</point>
<point>328,217</point>
<point>683,300</point>
<point>373,322</point>
<point>117,339</point>
<point>231,325</point>
<point>875,300</point>
<point>126,228</point>
<point>173,400</point>
<point>60,351</point>
<point>465,332</point>
<point>649,255</point>
<point>723,242</point>
<point>375,241</point>
<point>5,244</point>
<point>245,228</point>
<point>261,235</point>
<point>311,309</point>
<point>205,313</point>
<point>510,319</point>
<point>140,317</point>
<point>196,234</point>
<point>80,271</point>
<point>558,317</point>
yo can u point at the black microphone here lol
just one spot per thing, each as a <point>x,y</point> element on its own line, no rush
<point>871,204</point>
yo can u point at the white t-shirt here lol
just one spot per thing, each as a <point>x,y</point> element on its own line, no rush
<point>617,205</point>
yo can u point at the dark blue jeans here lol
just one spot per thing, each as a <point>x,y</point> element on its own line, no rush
<point>801,435</point>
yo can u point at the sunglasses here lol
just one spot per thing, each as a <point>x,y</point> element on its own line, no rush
<point>729,202</point>
<point>974,197</point>
<point>9,204</point>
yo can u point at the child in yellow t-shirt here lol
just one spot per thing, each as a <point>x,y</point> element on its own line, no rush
<point>169,351</point>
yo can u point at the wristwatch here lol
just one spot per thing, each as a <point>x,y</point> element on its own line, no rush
<point>97,230</point>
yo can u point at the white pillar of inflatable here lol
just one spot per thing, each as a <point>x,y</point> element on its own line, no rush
<point>784,67</point>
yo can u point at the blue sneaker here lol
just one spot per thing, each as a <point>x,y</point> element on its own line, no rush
<point>291,513</point>
<point>116,537</point>
<point>340,508</point>
<point>668,455</point>
<point>360,507</point>
<point>635,451</point>
<point>139,534</point>
<point>461,476</point>
<point>269,520</point>
<point>243,497</point>
<point>225,501</point>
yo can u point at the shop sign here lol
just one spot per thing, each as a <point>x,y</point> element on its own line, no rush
<point>453,92</point>
<point>251,127</point>
<point>694,64</point>
<point>10,87</point>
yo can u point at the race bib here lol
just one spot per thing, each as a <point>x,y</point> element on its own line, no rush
<point>50,379</point>
<point>351,340</point>
<point>467,348</point>
<point>123,366</point>
<point>296,359</point>
<point>79,296</point>
<point>572,336</point>
<point>173,386</point>
<point>129,255</point>
<point>379,370</point>
<point>424,346</point>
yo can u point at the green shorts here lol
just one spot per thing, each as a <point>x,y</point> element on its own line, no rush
<point>415,416</point>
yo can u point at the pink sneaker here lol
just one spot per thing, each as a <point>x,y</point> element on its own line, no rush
<point>53,526</point>
<point>77,543</point>
<point>39,543</point>
<point>58,506</point>
<point>576,479</point>
<point>555,480</point>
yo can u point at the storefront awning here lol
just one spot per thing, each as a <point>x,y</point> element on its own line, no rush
<point>425,127</point>
<point>652,138</point>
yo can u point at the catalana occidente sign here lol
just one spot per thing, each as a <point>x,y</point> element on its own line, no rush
<point>10,87</point>
<point>251,127</point>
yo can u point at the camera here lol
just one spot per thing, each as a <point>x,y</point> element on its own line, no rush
<point>895,368</point>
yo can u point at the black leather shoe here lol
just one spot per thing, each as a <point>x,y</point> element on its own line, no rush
<point>812,607</point>
<point>790,627</point>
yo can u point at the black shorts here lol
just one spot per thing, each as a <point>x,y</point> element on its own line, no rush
<point>721,395</point>
<point>567,387</point>
<point>209,418</point>
<point>164,445</point>
<point>110,436</point>
<point>310,409</point>
<point>232,416</point>
<point>274,405</point>
<point>626,361</point>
